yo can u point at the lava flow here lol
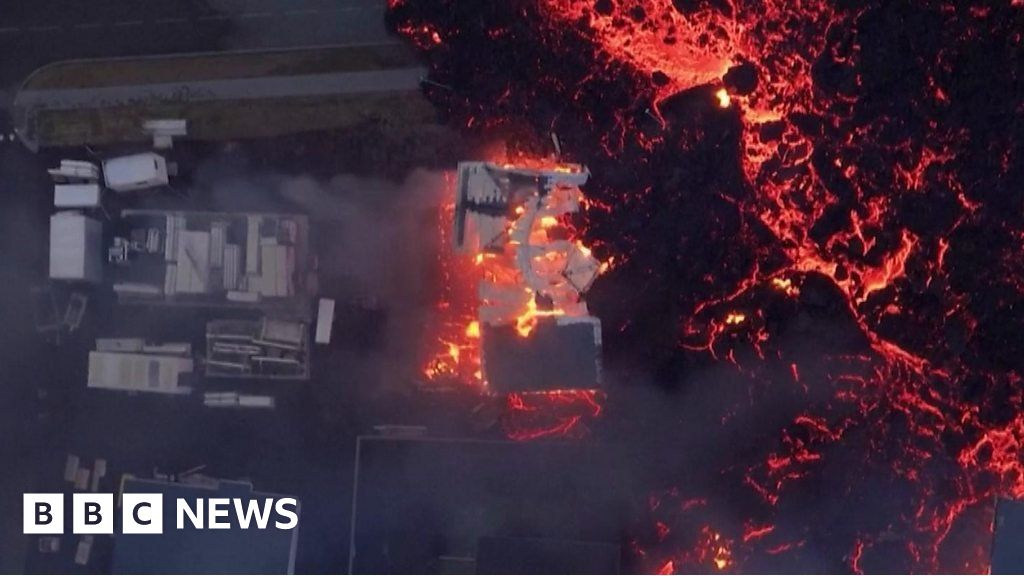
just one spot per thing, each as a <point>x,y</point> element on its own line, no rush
<point>815,208</point>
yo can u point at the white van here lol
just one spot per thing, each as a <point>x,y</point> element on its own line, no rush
<point>135,172</point>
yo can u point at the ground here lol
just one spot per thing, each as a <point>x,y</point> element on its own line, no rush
<point>305,447</point>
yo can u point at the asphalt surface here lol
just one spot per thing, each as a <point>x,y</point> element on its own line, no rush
<point>33,34</point>
<point>25,358</point>
<point>356,82</point>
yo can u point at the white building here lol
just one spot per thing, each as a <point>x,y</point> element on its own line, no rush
<point>76,247</point>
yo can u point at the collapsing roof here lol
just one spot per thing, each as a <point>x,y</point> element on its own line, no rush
<point>534,273</point>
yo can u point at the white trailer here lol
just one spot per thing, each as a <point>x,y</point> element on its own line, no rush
<point>75,171</point>
<point>138,372</point>
<point>75,248</point>
<point>135,172</point>
<point>77,196</point>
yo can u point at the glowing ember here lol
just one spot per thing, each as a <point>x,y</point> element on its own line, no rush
<point>734,318</point>
<point>452,348</point>
<point>723,98</point>
<point>558,413</point>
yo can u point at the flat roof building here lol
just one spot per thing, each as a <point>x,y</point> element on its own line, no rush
<point>429,505</point>
<point>193,551</point>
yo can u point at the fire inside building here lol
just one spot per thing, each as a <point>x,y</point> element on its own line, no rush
<point>522,327</point>
<point>806,217</point>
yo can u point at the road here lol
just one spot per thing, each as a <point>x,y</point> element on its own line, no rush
<point>356,82</point>
<point>33,34</point>
<point>36,33</point>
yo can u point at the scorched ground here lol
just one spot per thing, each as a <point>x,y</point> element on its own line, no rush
<point>815,211</point>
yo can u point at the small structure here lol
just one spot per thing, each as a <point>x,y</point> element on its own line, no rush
<point>75,172</point>
<point>411,515</point>
<point>192,551</point>
<point>164,131</point>
<point>237,400</point>
<point>128,364</point>
<point>135,172</point>
<point>73,314</point>
<point>66,196</point>
<point>44,310</point>
<point>269,348</point>
<point>49,320</point>
<point>76,247</point>
<point>213,259</point>
<point>324,321</point>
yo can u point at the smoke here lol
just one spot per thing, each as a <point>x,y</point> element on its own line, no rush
<point>384,234</point>
<point>375,244</point>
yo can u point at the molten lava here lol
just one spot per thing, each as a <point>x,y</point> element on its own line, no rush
<point>821,200</point>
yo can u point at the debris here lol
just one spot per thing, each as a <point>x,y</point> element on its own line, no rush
<point>82,479</point>
<point>84,550</point>
<point>70,468</point>
<point>49,544</point>
<point>324,321</point>
<point>75,172</point>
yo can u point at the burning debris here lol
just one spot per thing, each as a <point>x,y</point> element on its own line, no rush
<point>533,276</point>
<point>526,330</point>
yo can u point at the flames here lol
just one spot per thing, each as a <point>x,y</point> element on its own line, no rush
<point>505,285</point>
<point>712,551</point>
<point>828,205</point>
<point>453,345</point>
<point>526,321</point>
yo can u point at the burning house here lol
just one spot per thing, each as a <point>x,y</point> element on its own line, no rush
<point>532,319</point>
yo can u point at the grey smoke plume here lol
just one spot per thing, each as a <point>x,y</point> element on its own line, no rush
<point>376,243</point>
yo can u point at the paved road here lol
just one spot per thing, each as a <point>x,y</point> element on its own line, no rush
<point>28,102</point>
<point>34,33</point>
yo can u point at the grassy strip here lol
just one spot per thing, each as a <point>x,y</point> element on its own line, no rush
<point>220,66</point>
<point>232,119</point>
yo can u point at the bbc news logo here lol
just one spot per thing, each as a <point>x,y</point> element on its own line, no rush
<point>144,513</point>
